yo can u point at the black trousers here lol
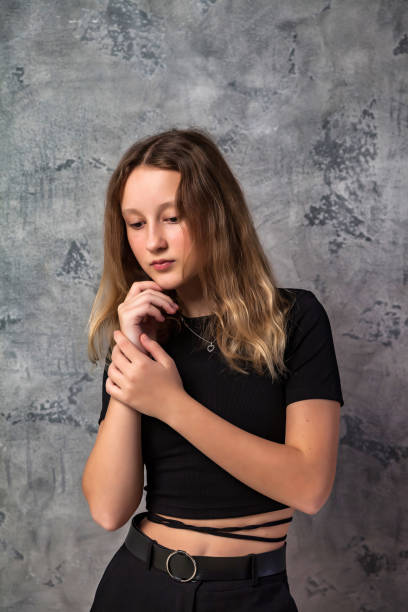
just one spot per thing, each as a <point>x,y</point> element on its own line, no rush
<point>128,585</point>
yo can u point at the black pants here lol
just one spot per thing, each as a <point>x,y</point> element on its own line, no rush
<point>127,585</point>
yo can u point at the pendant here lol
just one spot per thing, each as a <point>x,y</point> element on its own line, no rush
<point>210,347</point>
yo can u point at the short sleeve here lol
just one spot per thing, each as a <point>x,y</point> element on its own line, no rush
<point>105,395</point>
<point>310,353</point>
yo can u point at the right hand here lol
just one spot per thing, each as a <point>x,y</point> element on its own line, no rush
<point>140,311</point>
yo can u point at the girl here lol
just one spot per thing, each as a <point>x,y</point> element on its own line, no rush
<point>224,385</point>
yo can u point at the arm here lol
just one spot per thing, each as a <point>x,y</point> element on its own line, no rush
<point>113,477</point>
<point>298,473</point>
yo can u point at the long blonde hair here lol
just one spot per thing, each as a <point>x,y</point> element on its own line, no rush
<point>250,322</point>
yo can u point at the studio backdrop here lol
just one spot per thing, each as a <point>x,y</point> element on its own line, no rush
<point>309,103</point>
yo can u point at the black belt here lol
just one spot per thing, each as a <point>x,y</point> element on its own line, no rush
<point>183,567</point>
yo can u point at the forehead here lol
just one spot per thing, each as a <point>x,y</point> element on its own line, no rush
<point>149,186</point>
<point>130,210</point>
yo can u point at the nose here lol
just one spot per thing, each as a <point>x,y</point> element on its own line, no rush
<point>155,239</point>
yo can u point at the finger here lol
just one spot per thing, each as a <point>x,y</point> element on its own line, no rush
<point>143,310</point>
<point>116,352</point>
<point>127,347</point>
<point>140,286</point>
<point>156,350</point>
<point>119,359</point>
<point>116,375</point>
<point>158,299</point>
<point>113,390</point>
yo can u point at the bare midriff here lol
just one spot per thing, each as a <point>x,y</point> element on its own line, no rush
<point>196,543</point>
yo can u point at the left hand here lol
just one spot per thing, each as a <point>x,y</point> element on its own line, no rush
<point>145,384</point>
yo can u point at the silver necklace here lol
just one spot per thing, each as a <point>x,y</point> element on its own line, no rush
<point>211,345</point>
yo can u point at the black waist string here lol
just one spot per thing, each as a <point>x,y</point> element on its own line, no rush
<point>220,531</point>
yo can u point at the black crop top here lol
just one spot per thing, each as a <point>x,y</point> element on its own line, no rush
<point>181,480</point>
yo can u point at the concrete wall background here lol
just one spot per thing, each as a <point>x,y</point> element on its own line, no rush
<point>309,102</point>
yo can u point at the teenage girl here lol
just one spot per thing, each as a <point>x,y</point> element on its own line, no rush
<point>224,385</point>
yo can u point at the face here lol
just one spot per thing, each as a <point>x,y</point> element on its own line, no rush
<point>154,229</point>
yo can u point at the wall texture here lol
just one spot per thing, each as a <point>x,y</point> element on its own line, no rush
<point>309,102</point>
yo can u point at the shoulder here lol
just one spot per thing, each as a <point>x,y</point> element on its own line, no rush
<point>309,353</point>
<point>305,313</point>
<point>300,295</point>
<point>304,303</point>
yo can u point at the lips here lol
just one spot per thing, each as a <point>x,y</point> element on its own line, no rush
<point>163,266</point>
<point>160,261</point>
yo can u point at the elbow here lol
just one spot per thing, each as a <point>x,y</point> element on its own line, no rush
<point>315,501</point>
<point>107,522</point>
<point>111,514</point>
<point>312,508</point>
<point>101,518</point>
<point>110,525</point>
<point>113,521</point>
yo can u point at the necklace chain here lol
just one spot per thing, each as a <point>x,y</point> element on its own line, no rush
<point>211,345</point>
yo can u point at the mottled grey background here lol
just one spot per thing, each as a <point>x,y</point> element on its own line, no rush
<point>309,103</point>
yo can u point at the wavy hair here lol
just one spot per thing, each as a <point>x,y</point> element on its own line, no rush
<point>251,312</point>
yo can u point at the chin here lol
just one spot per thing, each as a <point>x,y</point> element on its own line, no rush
<point>166,282</point>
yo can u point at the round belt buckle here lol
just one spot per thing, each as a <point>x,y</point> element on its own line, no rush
<point>187,555</point>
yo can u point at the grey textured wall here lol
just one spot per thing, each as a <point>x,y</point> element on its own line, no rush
<point>309,102</point>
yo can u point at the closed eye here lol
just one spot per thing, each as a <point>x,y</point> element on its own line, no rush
<point>138,222</point>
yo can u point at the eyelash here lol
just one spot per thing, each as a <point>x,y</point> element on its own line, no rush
<point>137,228</point>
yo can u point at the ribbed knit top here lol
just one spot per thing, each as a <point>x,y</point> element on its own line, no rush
<point>181,480</point>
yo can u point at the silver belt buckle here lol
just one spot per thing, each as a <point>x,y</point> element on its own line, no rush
<point>187,555</point>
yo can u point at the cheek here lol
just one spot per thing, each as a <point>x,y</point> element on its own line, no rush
<point>135,244</point>
<point>179,240</point>
<point>184,241</point>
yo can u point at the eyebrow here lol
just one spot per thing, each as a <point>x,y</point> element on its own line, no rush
<point>134,210</point>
